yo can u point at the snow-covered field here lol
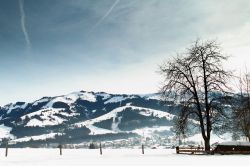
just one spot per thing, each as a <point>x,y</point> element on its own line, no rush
<point>114,157</point>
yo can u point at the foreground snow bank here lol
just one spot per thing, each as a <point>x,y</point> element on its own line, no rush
<point>113,157</point>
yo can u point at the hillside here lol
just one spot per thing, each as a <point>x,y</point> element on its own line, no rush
<point>87,116</point>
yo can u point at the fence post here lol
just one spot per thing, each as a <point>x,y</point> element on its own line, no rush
<point>100,148</point>
<point>6,149</point>
<point>142,148</point>
<point>60,147</point>
<point>177,149</point>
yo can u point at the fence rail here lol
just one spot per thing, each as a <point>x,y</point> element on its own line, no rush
<point>191,150</point>
<point>61,147</point>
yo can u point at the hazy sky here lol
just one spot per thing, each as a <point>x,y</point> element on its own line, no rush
<point>53,47</point>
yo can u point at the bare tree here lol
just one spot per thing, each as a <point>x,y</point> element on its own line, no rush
<point>193,78</point>
<point>242,109</point>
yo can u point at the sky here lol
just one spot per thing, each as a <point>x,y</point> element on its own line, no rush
<point>54,47</point>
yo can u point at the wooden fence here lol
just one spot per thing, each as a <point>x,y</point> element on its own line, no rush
<point>217,150</point>
<point>60,147</point>
<point>190,150</point>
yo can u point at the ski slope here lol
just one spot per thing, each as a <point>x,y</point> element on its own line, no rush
<point>113,114</point>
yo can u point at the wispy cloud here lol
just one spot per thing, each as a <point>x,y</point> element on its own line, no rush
<point>106,15</point>
<point>23,25</point>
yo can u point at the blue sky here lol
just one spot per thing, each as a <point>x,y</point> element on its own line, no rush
<point>53,47</point>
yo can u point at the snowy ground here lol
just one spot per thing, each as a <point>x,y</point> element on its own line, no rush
<point>114,157</point>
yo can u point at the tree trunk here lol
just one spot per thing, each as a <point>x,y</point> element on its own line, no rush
<point>207,145</point>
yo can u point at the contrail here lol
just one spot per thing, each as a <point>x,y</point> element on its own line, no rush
<point>106,15</point>
<point>23,25</point>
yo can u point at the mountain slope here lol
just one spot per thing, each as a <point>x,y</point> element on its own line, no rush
<point>83,116</point>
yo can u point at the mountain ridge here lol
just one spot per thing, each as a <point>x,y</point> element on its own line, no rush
<point>57,117</point>
<point>80,117</point>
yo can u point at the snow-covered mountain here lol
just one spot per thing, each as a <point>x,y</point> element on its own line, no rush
<point>83,116</point>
